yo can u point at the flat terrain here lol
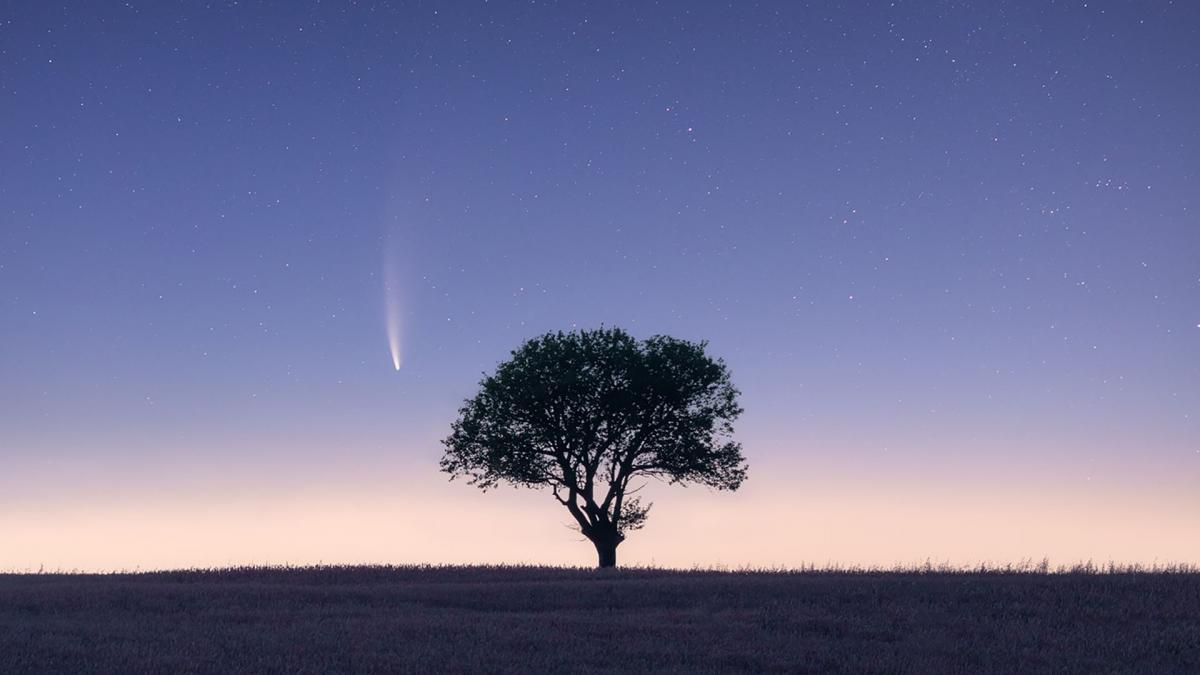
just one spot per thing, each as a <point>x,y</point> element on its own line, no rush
<point>472,619</point>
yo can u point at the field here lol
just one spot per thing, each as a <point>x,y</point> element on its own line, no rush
<point>549,620</point>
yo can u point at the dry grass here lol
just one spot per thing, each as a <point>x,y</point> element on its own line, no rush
<point>1025,618</point>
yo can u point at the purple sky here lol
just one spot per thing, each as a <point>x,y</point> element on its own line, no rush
<point>949,250</point>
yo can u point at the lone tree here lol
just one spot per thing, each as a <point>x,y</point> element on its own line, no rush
<point>588,412</point>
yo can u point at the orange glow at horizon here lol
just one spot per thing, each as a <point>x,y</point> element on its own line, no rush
<point>767,524</point>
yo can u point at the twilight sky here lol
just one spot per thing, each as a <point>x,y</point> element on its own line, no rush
<point>950,251</point>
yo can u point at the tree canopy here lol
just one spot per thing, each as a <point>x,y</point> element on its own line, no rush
<point>587,413</point>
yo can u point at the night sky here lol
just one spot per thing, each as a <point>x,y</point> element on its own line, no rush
<point>949,250</point>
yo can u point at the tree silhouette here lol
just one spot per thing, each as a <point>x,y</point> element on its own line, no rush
<point>588,412</point>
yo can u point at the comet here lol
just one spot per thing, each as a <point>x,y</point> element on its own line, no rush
<point>392,308</point>
<point>393,330</point>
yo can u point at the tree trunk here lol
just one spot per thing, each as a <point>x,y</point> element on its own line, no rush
<point>606,551</point>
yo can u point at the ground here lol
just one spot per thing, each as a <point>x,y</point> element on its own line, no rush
<point>547,620</point>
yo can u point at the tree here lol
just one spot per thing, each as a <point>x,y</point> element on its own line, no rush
<point>590,412</point>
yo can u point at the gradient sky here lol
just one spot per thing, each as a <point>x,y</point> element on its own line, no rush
<point>950,251</point>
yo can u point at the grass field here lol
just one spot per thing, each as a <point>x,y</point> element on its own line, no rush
<point>549,620</point>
